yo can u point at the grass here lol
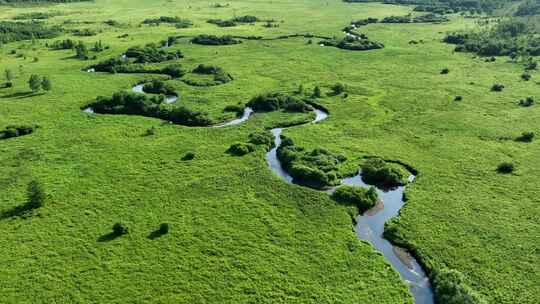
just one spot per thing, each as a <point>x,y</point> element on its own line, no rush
<point>239,233</point>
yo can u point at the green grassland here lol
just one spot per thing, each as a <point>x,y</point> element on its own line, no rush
<point>238,233</point>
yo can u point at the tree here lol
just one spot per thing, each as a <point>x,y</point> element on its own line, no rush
<point>81,51</point>
<point>317,92</point>
<point>35,195</point>
<point>46,83</point>
<point>34,83</point>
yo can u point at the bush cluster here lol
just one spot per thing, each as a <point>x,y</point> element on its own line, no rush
<point>177,21</point>
<point>450,287</point>
<point>16,130</point>
<point>505,168</point>
<point>316,169</point>
<point>526,137</point>
<point>233,21</point>
<point>241,149</point>
<point>130,103</point>
<point>157,86</point>
<point>15,31</point>
<point>152,54</point>
<point>116,65</point>
<point>214,40</point>
<point>376,171</point>
<point>264,138</point>
<point>353,43</point>
<point>275,101</point>
<point>497,87</point>
<point>527,102</point>
<point>362,198</point>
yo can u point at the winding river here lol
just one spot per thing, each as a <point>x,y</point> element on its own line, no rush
<point>370,225</point>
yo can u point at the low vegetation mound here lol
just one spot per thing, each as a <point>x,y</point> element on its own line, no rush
<point>450,287</point>
<point>214,40</point>
<point>447,6</point>
<point>276,101</point>
<point>241,149</point>
<point>353,43</point>
<point>129,103</point>
<point>219,76</point>
<point>364,199</point>
<point>233,21</point>
<point>316,169</point>
<point>264,138</point>
<point>176,21</point>
<point>152,54</point>
<point>158,86</point>
<point>16,131</point>
<point>376,171</point>
<point>117,65</point>
<point>15,31</point>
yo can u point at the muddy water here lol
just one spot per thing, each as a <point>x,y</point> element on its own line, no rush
<point>370,225</point>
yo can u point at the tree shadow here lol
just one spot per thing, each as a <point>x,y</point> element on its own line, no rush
<point>155,234</point>
<point>108,237</point>
<point>20,95</point>
<point>18,211</point>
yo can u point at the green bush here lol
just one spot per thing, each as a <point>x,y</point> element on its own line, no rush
<point>152,54</point>
<point>362,198</point>
<point>497,87</point>
<point>275,101</point>
<point>526,76</point>
<point>450,288</point>
<point>214,40</point>
<point>238,109</point>
<point>120,229</point>
<point>188,156</point>
<point>445,71</point>
<point>163,228</point>
<point>505,168</point>
<point>157,86</point>
<point>16,130</point>
<point>527,102</point>
<point>526,137</point>
<point>264,138</point>
<point>376,171</point>
<point>240,149</point>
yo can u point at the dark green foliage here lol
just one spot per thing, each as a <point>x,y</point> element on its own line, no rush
<point>173,70</point>
<point>362,198</point>
<point>157,86</point>
<point>245,19</point>
<point>150,131</point>
<point>505,168</point>
<point>531,65</point>
<point>264,138</point>
<point>527,102</point>
<point>363,22</point>
<point>46,83</point>
<point>450,288</point>
<point>34,82</point>
<point>396,19</point>
<point>188,156</point>
<point>152,54</point>
<point>120,229</point>
<point>214,40</point>
<point>138,104</point>
<point>15,31</point>
<point>81,51</point>
<point>445,71</point>
<point>338,88</point>
<point>84,32</point>
<point>526,76</point>
<point>316,169</point>
<point>117,65</point>
<point>36,15</point>
<point>207,69</point>
<point>526,137</point>
<point>35,196</point>
<point>66,44</point>
<point>353,43</point>
<point>275,101</point>
<point>111,22</point>
<point>164,228</point>
<point>222,23</point>
<point>240,149</point>
<point>317,92</point>
<point>177,21</point>
<point>458,98</point>
<point>16,130</point>
<point>497,87</point>
<point>430,18</point>
<point>376,171</point>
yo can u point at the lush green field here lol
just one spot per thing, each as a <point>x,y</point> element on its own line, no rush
<point>238,233</point>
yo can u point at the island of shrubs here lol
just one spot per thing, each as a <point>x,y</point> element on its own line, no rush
<point>214,40</point>
<point>177,21</point>
<point>354,43</point>
<point>364,199</point>
<point>376,171</point>
<point>157,86</point>
<point>233,21</point>
<point>117,65</point>
<point>263,138</point>
<point>219,76</point>
<point>16,131</point>
<point>130,103</point>
<point>151,54</point>
<point>317,169</point>
<point>276,101</point>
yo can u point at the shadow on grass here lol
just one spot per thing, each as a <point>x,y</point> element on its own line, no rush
<point>155,234</point>
<point>18,211</point>
<point>108,237</point>
<point>21,95</point>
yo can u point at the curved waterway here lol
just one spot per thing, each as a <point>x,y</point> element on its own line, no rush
<point>370,225</point>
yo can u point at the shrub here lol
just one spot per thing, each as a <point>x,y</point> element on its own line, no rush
<point>274,101</point>
<point>376,171</point>
<point>173,70</point>
<point>526,137</point>
<point>222,23</point>
<point>317,92</point>
<point>34,82</point>
<point>214,40</point>
<point>152,54</point>
<point>245,19</point>
<point>531,65</point>
<point>450,288</point>
<point>46,83</point>
<point>362,198</point>
<point>157,86</point>
<point>16,130</point>
<point>120,229</point>
<point>458,98</point>
<point>35,195</point>
<point>177,21</point>
<point>207,69</point>
<point>527,102</point>
<point>526,76</point>
<point>338,88</point>
<point>264,138</point>
<point>188,156</point>
<point>497,87</point>
<point>505,168</point>
<point>396,19</point>
<point>240,149</point>
<point>164,228</point>
<point>150,131</point>
<point>445,71</point>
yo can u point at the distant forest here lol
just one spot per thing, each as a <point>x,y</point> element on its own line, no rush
<point>486,6</point>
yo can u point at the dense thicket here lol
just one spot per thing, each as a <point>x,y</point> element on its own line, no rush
<point>177,21</point>
<point>364,199</point>
<point>316,169</point>
<point>450,288</point>
<point>157,86</point>
<point>214,40</point>
<point>16,130</point>
<point>450,6</point>
<point>510,38</point>
<point>138,104</point>
<point>233,21</point>
<point>15,31</point>
<point>353,43</point>
<point>151,54</point>
<point>117,65</point>
<point>376,171</point>
<point>276,101</point>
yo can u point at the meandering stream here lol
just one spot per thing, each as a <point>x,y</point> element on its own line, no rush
<point>370,225</point>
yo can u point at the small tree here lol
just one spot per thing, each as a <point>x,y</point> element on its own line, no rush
<point>338,88</point>
<point>81,51</point>
<point>35,195</point>
<point>46,83</point>
<point>164,228</point>
<point>34,82</point>
<point>526,137</point>
<point>505,168</point>
<point>445,71</point>
<point>120,229</point>
<point>317,92</point>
